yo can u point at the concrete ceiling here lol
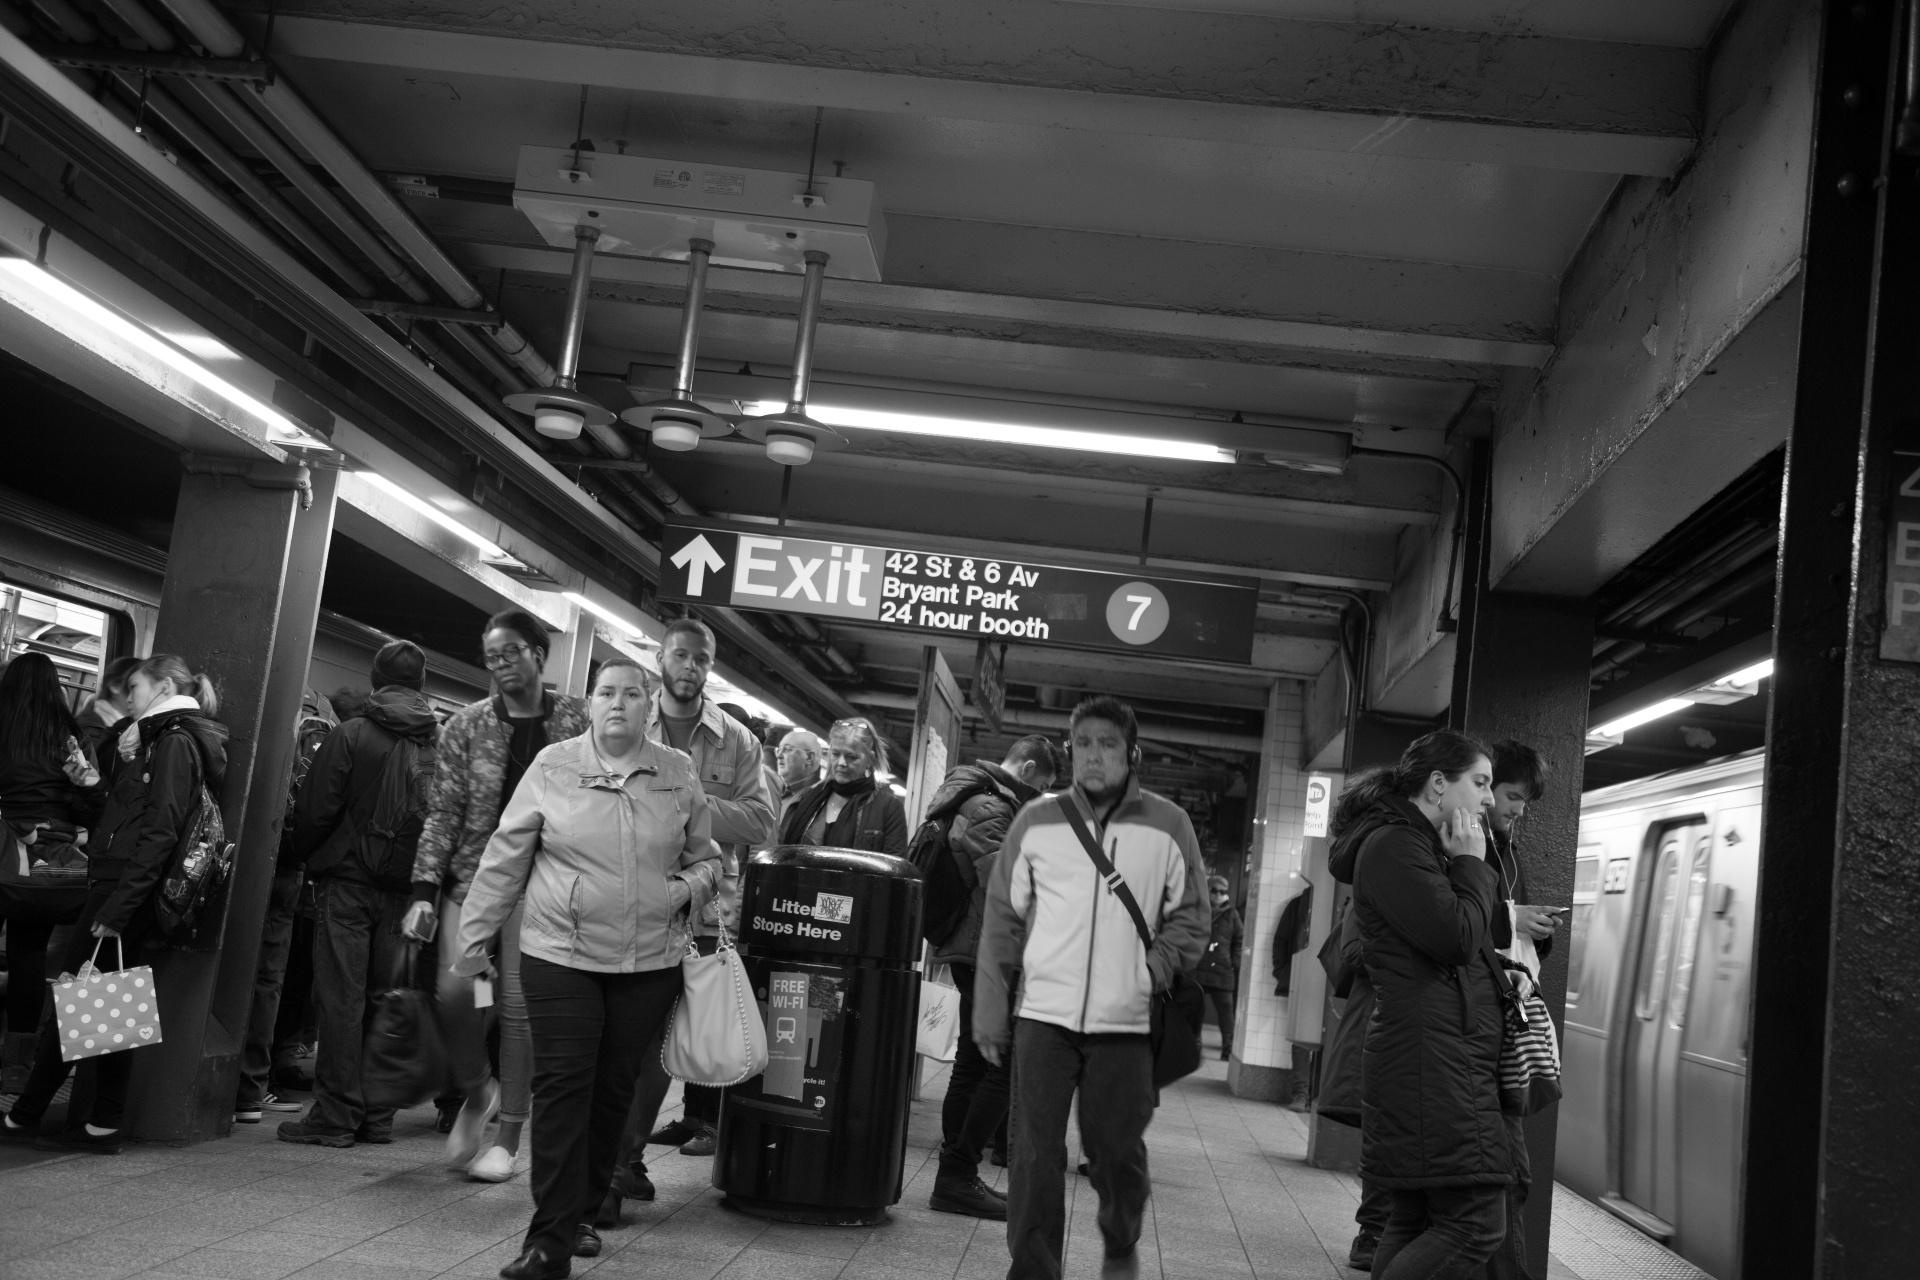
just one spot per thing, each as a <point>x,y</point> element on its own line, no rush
<point>1350,213</point>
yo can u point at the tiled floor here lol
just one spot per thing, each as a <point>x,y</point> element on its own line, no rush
<point>1233,1200</point>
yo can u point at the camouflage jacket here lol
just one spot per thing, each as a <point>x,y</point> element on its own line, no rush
<point>468,774</point>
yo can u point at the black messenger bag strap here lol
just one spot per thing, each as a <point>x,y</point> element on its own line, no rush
<point>1116,882</point>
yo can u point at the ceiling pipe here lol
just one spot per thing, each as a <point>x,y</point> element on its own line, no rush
<point>561,410</point>
<point>678,423</point>
<point>792,437</point>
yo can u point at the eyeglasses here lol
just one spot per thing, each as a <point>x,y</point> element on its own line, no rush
<point>505,656</point>
<point>795,751</point>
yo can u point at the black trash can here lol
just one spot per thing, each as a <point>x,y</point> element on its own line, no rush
<point>830,938</point>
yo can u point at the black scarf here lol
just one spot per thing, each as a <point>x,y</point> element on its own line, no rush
<point>810,805</point>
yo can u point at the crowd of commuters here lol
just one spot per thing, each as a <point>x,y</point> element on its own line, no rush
<point>541,864</point>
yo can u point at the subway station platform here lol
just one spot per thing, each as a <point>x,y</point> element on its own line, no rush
<point>1233,1200</point>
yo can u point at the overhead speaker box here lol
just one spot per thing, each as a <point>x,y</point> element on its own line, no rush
<point>648,208</point>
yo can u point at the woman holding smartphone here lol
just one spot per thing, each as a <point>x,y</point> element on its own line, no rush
<point>1411,840</point>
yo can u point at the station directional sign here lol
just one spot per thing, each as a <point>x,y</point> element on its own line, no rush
<point>972,596</point>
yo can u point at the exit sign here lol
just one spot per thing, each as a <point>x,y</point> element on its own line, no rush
<point>971,596</point>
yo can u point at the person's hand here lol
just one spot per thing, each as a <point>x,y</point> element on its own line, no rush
<point>1536,922</point>
<point>105,931</point>
<point>1462,836</point>
<point>420,923</point>
<point>679,894</point>
<point>995,1054</point>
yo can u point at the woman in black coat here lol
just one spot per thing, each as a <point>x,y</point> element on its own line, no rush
<point>1411,841</point>
<point>850,808</point>
<point>170,749</point>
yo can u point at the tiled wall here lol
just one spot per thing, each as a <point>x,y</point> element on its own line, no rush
<point>1275,876</point>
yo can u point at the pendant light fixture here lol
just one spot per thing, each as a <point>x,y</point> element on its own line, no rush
<point>560,411</point>
<point>678,423</point>
<point>792,437</point>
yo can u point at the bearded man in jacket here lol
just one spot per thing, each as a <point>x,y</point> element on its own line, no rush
<point>1086,984</point>
<point>981,800</point>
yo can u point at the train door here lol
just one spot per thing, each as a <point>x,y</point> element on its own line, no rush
<point>1662,978</point>
<point>73,636</point>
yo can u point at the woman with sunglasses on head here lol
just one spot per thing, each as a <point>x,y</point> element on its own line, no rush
<point>171,749</point>
<point>608,842</point>
<point>851,808</point>
<point>485,749</point>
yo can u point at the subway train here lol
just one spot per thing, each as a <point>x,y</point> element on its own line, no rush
<point>1655,1047</point>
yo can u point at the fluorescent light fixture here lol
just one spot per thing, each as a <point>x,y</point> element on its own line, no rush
<point>112,336</point>
<point>200,344</point>
<point>490,549</point>
<point>1004,432</point>
<point>1749,675</point>
<point>607,615</point>
<point>1646,715</point>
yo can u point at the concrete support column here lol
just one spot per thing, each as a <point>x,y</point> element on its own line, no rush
<point>572,656</point>
<point>240,600</point>
<point>1262,1061</point>
<point>1524,662</point>
<point>1833,1122</point>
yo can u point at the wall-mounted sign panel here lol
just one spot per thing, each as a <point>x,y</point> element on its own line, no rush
<point>1900,626</point>
<point>977,597</point>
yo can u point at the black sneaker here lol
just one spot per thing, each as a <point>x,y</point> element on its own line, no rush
<point>1360,1257</point>
<point>23,1133</point>
<point>586,1241</point>
<point>679,1133</point>
<point>608,1219</point>
<point>105,1144</point>
<point>703,1143</point>
<point>972,1197</point>
<point>633,1183</point>
<point>248,1114</point>
<point>290,1077</point>
<point>303,1132</point>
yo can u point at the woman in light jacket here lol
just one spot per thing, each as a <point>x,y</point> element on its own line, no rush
<point>607,838</point>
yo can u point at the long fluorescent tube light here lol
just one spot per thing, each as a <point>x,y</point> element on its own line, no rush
<point>607,615</point>
<point>488,548</point>
<point>1749,675</point>
<point>1005,433</point>
<point>96,327</point>
<point>1646,715</point>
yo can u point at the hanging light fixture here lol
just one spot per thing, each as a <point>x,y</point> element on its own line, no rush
<point>792,437</point>
<point>678,422</point>
<point>560,411</point>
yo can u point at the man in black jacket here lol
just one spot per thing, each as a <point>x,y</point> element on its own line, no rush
<point>361,879</point>
<point>983,799</point>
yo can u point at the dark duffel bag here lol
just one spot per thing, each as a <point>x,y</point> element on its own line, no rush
<point>404,1062</point>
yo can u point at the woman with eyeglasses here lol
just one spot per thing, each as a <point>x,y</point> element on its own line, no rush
<point>851,808</point>
<point>484,751</point>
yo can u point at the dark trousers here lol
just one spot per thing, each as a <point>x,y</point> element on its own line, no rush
<point>1440,1233</point>
<point>1223,998</point>
<point>276,947</point>
<point>357,947</point>
<point>589,1030</point>
<point>1509,1261</point>
<point>114,1070</point>
<point>32,915</point>
<point>977,1093</point>
<point>1376,1206</point>
<point>1114,1076</point>
<point>293,1027</point>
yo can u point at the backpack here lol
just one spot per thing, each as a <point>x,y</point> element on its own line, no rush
<point>391,833</point>
<point>190,906</point>
<point>307,737</point>
<point>947,889</point>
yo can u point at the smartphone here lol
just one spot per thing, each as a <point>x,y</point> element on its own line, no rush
<point>482,993</point>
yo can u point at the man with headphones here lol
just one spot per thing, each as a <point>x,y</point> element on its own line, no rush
<point>1065,929</point>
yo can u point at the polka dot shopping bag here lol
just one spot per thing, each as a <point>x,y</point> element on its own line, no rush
<point>106,1012</point>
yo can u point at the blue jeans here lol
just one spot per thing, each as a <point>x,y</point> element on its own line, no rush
<point>1439,1233</point>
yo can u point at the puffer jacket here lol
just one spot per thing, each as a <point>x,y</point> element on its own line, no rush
<point>979,826</point>
<point>1054,921</point>
<point>153,801</point>
<point>594,854</point>
<point>1219,967</point>
<point>1430,1099</point>
<point>469,772</point>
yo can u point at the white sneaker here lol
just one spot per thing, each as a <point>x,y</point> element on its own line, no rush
<point>495,1164</point>
<point>463,1141</point>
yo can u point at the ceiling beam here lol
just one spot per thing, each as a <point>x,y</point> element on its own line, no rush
<point>1056,722</point>
<point>1427,338</point>
<point>1241,79</point>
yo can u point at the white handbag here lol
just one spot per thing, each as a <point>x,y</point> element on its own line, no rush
<point>939,1034</point>
<point>717,1035</point>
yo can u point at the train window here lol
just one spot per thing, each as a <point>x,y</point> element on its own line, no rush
<point>1689,939</point>
<point>1656,939</point>
<point>1586,892</point>
<point>74,636</point>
